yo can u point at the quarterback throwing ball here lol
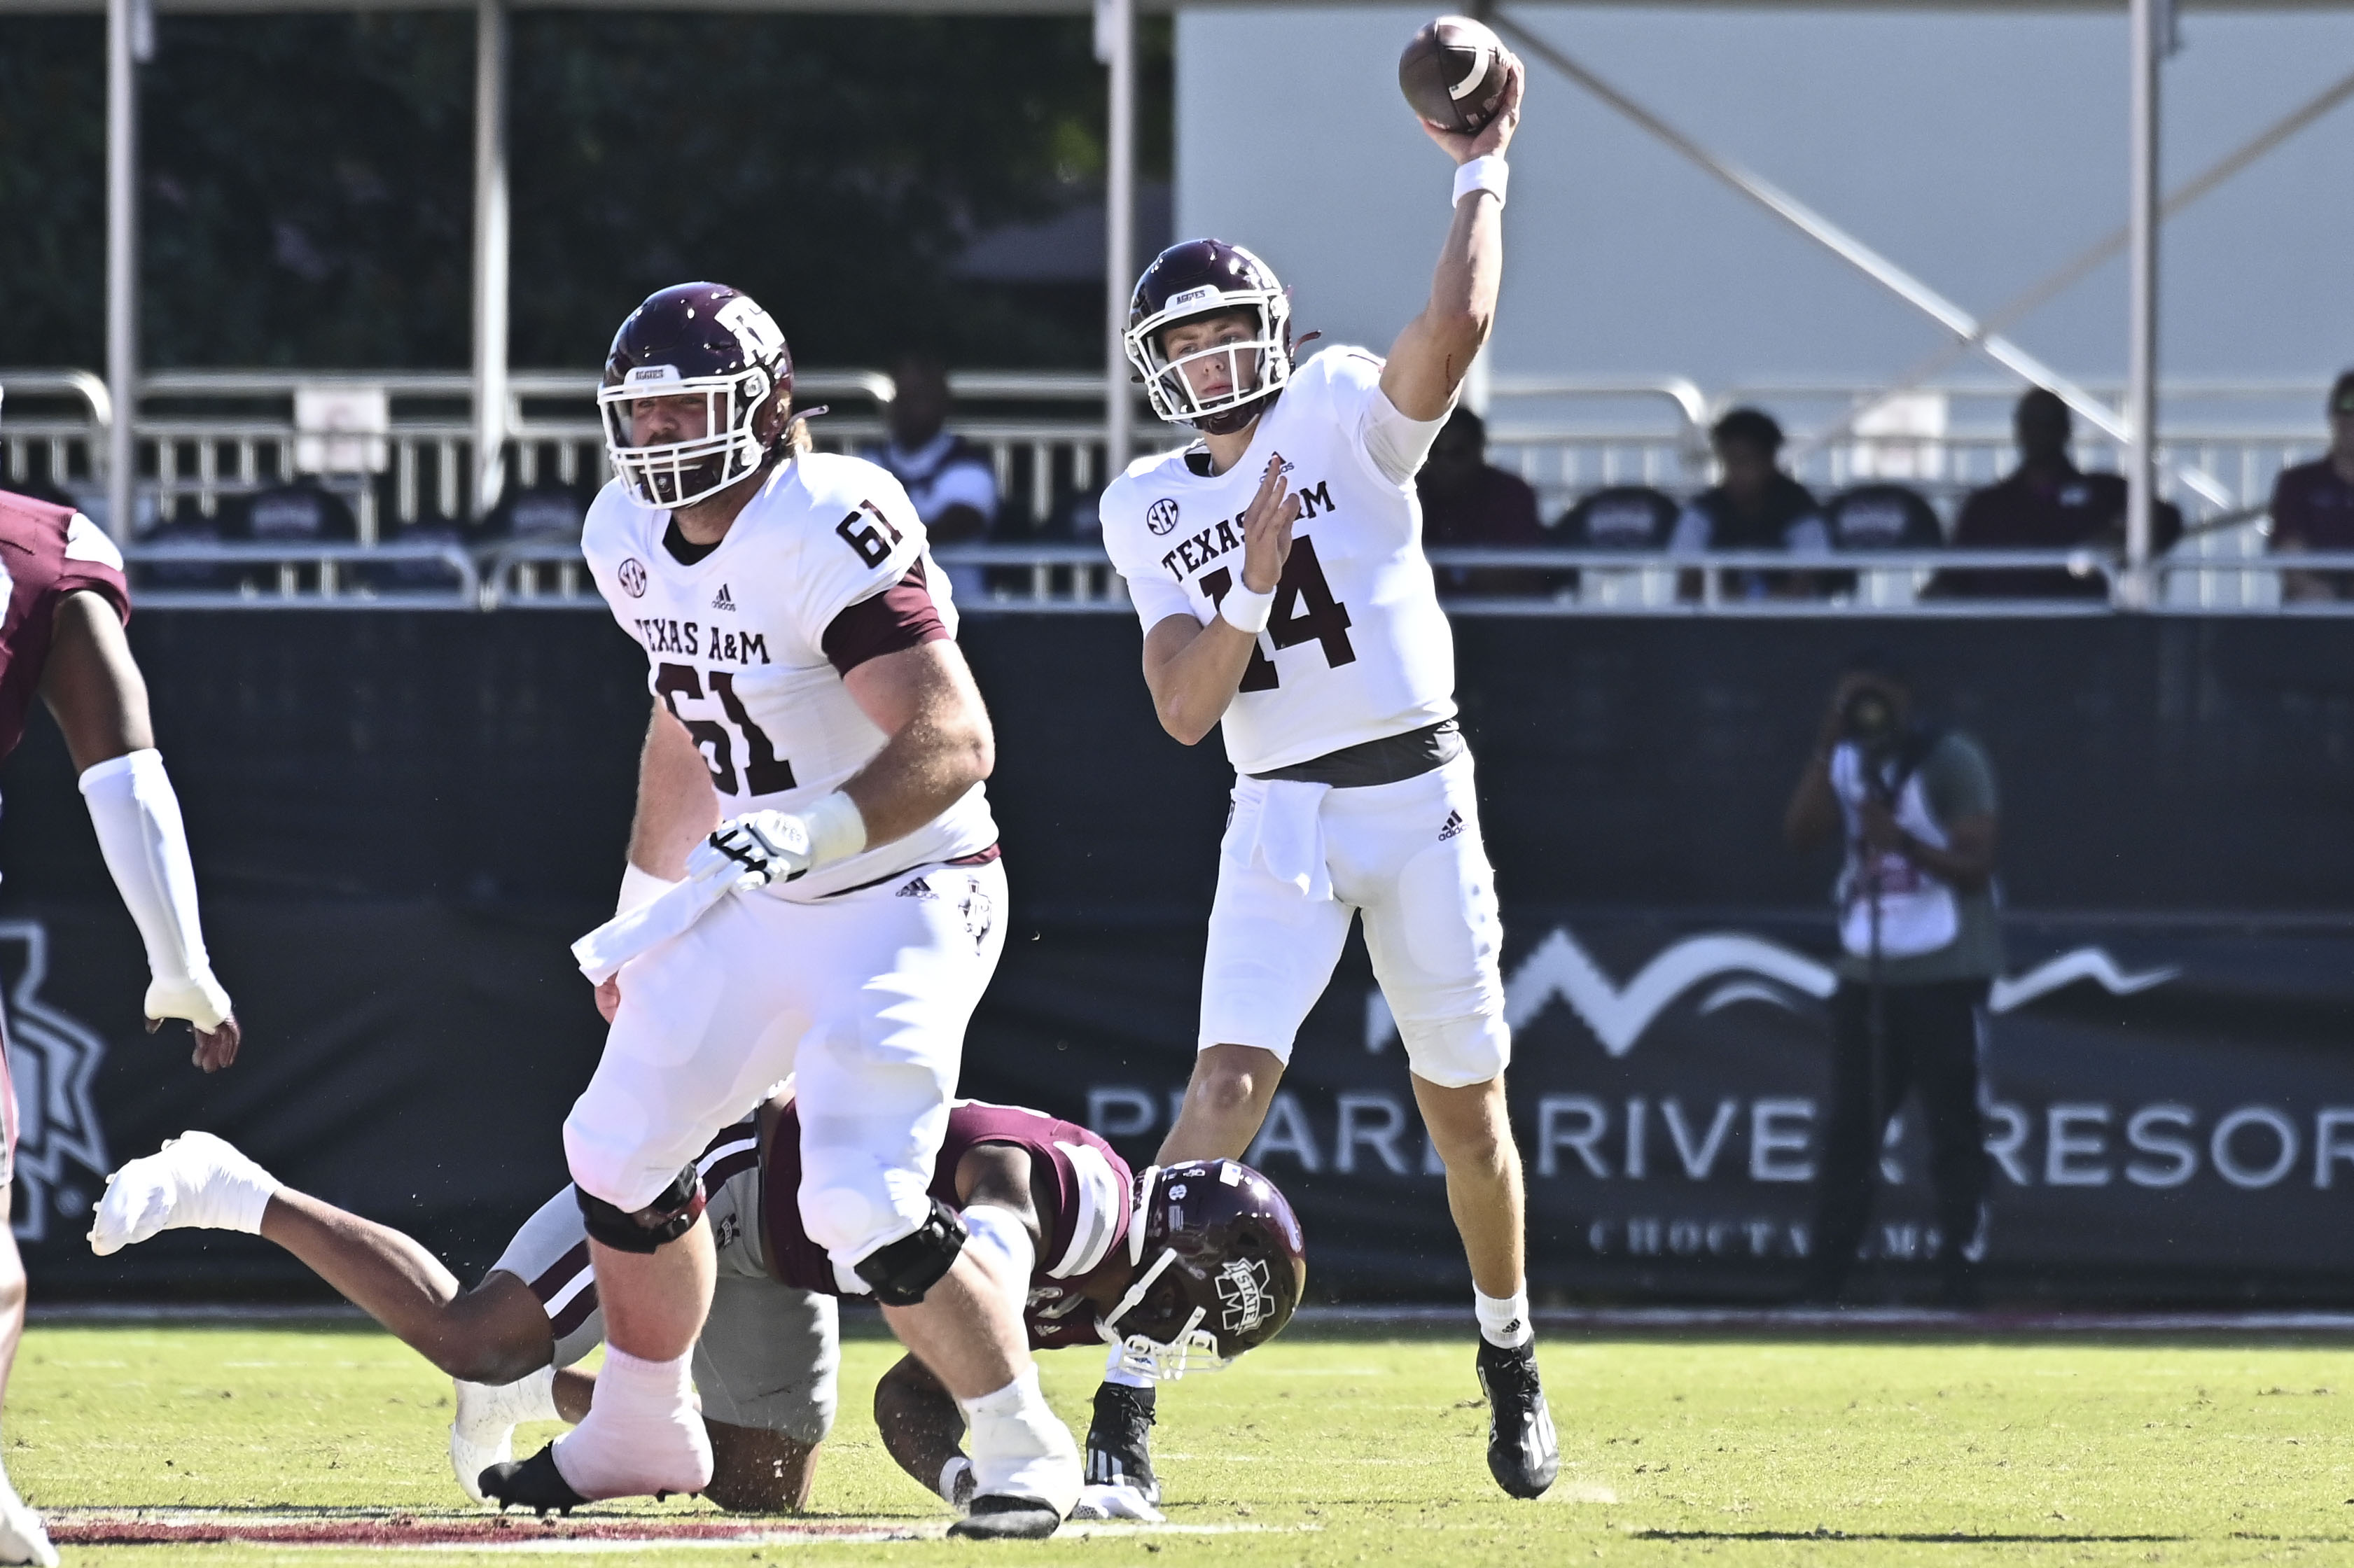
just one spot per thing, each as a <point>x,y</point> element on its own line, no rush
<point>1277,566</point>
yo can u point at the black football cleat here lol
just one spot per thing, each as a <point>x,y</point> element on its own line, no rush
<point>1119,1440</point>
<point>996,1517</point>
<point>535,1483</point>
<point>1523,1452</point>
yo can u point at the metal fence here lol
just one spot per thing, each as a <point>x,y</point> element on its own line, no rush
<point>398,448</point>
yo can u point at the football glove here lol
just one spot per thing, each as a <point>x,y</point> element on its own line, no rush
<point>755,849</point>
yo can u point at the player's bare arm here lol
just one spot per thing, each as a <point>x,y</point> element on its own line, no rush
<point>93,687</point>
<point>92,684</point>
<point>677,806</point>
<point>1194,669</point>
<point>1431,357</point>
<point>940,743</point>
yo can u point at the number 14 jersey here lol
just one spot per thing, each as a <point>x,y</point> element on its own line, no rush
<point>1357,648</point>
<point>747,645</point>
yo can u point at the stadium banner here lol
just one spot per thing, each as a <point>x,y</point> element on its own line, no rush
<point>400,821</point>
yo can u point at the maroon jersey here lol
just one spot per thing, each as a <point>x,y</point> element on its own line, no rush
<point>1093,1196</point>
<point>46,553</point>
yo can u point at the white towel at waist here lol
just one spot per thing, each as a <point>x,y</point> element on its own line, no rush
<point>1289,839</point>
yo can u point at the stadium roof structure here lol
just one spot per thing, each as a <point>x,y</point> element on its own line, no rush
<point>131,35</point>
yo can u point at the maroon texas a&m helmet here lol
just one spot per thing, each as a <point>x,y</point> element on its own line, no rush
<point>702,340</point>
<point>1219,1268</point>
<point>1199,278</point>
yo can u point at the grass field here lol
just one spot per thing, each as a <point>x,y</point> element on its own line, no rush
<point>1340,1451</point>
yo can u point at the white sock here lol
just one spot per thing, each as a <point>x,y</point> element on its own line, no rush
<point>1504,1320</point>
<point>1021,1448</point>
<point>488,1406</point>
<point>643,1434</point>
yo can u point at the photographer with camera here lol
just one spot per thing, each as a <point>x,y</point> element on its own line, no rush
<point>1920,946</point>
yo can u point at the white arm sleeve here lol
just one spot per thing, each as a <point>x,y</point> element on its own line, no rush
<point>1396,444</point>
<point>146,849</point>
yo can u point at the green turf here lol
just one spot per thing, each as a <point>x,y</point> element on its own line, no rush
<point>1340,1451</point>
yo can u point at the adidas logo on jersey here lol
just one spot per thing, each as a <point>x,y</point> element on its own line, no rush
<point>919,888</point>
<point>1452,826</point>
<point>723,600</point>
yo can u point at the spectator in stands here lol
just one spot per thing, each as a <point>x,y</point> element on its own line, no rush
<point>1753,506</point>
<point>951,482</point>
<point>2313,505</point>
<point>1920,945</point>
<point>1466,500</point>
<point>2047,504</point>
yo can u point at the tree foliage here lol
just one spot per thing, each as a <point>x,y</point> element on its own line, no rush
<point>306,194</point>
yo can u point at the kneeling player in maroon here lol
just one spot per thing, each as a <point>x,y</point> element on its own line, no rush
<point>1192,1261</point>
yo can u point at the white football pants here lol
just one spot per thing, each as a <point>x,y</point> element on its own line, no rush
<point>863,997</point>
<point>1300,860</point>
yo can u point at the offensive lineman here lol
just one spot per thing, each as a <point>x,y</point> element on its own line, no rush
<point>1277,565</point>
<point>66,602</point>
<point>800,651</point>
<point>1225,1260</point>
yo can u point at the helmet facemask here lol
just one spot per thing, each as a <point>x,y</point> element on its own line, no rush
<point>679,473</point>
<point>1257,367</point>
<point>1189,1348</point>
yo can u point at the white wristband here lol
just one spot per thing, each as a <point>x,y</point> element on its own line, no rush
<point>1246,610</point>
<point>639,887</point>
<point>1490,174</point>
<point>836,830</point>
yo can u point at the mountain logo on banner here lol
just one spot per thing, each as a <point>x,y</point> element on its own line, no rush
<point>53,1060</point>
<point>1744,967</point>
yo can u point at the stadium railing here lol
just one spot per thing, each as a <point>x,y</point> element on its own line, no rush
<point>208,439</point>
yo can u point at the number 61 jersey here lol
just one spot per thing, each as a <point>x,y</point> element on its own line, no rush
<point>1357,647</point>
<point>747,643</point>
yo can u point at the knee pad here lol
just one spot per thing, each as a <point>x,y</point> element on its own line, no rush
<point>671,1215</point>
<point>900,1272</point>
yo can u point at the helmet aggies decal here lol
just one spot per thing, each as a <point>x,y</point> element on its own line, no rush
<point>1219,1268</point>
<point>1199,278</point>
<point>696,341</point>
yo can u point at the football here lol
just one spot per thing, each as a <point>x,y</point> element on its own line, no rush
<point>1453,73</point>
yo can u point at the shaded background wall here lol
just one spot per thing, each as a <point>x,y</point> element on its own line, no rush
<point>401,819</point>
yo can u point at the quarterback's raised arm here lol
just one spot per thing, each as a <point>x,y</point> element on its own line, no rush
<point>1435,352</point>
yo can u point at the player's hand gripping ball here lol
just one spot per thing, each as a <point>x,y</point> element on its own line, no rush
<point>1454,73</point>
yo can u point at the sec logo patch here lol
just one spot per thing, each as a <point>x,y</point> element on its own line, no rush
<point>1161,516</point>
<point>633,577</point>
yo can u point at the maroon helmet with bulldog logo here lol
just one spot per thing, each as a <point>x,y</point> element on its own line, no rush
<point>696,340</point>
<point>1219,1268</point>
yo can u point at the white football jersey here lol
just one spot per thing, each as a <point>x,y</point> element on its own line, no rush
<point>735,643</point>
<point>1357,647</point>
